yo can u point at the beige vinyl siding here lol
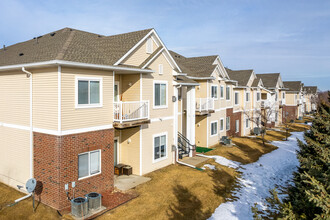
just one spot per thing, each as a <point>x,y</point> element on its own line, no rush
<point>148,87</point>
<point>130,87</point>
<point>45,99</point>
<point>139,55</point>
<point>73,118</point>
<point>201,131</point>
<point>130,148</point>
<point>290,98</point>
<point>15,156</point>
<point>15,98</point>
<point>201,90</point>
<point>148,133</point>
<point>216,116</point>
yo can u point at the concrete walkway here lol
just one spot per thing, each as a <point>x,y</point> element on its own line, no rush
<point>125,182</point>
<point>194,160</point>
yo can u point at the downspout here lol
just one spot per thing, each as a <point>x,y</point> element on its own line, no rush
<point>29,75</point>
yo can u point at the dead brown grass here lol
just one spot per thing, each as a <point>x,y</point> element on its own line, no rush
<point>179,192</point>
<point>23,209</point>
<point>296,127</point>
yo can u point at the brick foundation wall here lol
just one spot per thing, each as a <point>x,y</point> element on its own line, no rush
<point>56,163</point>
<point>233,117</point>
<point>292,113</point>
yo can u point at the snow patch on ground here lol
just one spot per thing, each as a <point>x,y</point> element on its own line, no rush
<point>224,161</point>
<point>212,167</point>
<point>258,178</point>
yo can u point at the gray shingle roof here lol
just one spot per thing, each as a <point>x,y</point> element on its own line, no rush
<point>185,80</point>
<point>255,82</point>
<point>269,79</point>
<point>310,89</point>
<point>195,66</point>
<point>72,45</point>
<point>241,76</point>
<point>293,86</point>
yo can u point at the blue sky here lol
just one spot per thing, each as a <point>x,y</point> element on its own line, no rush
<point>290,37</point>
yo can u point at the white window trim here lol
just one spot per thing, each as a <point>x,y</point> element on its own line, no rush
<point>226,123</point>
<point>229,93</point>
<point>223,94</point>
<point>236,130</point>
<point>213,85</point>
<point>89,164</point>
<point>223,122</point>
<point>149,41</point>
<point>78,106</point>
<point>212,122</point>
<point>160,69</point>
<point>237,99</point>
<point>153,147</point>
<point>154,97</point>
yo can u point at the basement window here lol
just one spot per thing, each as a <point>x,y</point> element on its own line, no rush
<point>89,164</point>
<point>214,128</point>
<point>160,143</point>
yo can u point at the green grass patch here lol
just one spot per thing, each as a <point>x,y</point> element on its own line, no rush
<point>203,149</point>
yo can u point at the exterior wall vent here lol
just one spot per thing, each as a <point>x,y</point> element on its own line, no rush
<point>94,201</point>
<point>79,207</point>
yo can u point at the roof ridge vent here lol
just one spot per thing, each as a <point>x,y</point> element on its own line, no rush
<point>52,34</point>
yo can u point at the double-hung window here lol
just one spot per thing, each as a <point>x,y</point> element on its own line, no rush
<point>160,94</point>
<point>214,92</point>
<point>283,95</point>
<point>221,92</point>
<point>89,164</point>
<point>236,98</point>
<point>88,92</point>
<point>247,96</point>
<point>214,128</point>
<point>227,123</point>
<point>227,93</point>
<point>247,124</point>
<point>221,124</point>
<point>160,143</point>
<point>237,126</point>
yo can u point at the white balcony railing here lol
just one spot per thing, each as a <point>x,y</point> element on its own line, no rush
<point>204,104</point>
<point>130,111</point>
<point>299,102</point>
<point>265,104</point>
<point>282,102</point>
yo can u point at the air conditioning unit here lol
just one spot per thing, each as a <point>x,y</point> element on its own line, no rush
<point>79,207</point>
<point>256,130</point>
<point>94,201</point>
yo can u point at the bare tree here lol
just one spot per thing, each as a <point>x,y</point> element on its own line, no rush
<point>262,117</point>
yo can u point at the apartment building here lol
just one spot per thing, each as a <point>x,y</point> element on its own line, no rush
<point>214,102</point>
<point>310,98</point>
<point>75,103</point>
<point>247,99</point>
<point>275,99</point>
<point>293,108</point>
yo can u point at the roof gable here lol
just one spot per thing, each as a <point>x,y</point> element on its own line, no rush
<point>293,86</point>
<point>241,76</point>
<point>269,80</point>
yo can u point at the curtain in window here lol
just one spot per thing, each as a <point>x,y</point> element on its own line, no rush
<point>83,165</point>
<point>163,94</point>
<point>82,92</point>
<point>95,162</point>
<point>94,92</point>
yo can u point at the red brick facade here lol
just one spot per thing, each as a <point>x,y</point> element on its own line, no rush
<point>56,163</point>
<point>233,117</point>
<point>289,113</point>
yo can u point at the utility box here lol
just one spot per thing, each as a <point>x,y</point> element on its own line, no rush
<point>127,170</point>
<point>119,169</point>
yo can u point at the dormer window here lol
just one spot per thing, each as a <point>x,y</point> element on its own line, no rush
<point>149,45</point>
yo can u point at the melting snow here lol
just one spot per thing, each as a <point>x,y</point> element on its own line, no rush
<point>258,178</point>
<point>222,161</point>
<point>212,167</point>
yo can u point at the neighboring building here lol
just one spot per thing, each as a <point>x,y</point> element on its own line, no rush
<point>276,99</point>
<point>293,100</point>
<point>247,99</point>
<point>213,97</point>
<point>310,98</point>
<point>74,104</point>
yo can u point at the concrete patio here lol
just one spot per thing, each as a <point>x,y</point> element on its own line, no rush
<point>125,182</point>
<point>194,161</point>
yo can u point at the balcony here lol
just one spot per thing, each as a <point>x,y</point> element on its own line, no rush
<point>204,106</point>
<point>265,104</point>
<point>130,114</point>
